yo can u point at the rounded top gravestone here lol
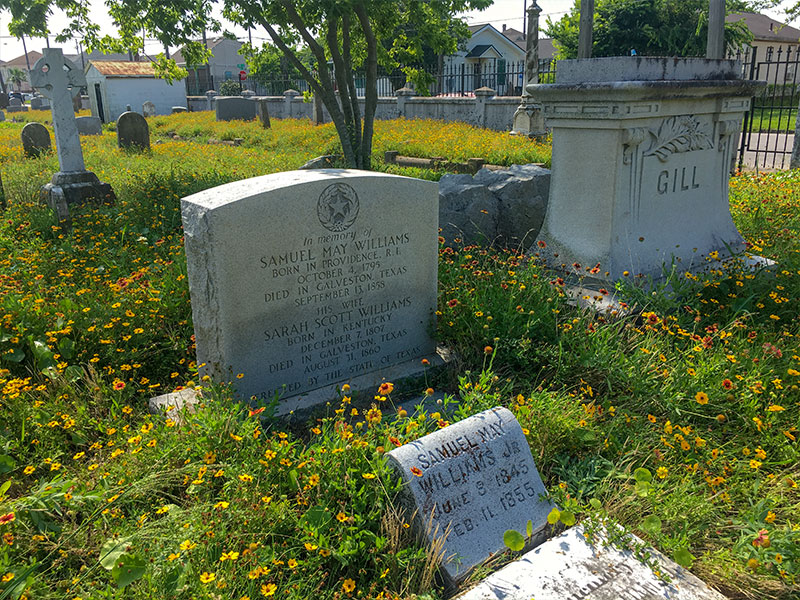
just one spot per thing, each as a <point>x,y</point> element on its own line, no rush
<point>132,131</point>
<point>35,139</point>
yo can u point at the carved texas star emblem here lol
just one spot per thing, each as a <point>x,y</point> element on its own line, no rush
<point>337,207</point>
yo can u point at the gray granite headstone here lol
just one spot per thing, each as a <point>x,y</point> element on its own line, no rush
<point>230,108</point>
<point>2,116</point>
<point>40,103</point>
<point>470,483</point>
<point>15,105</point>
<point>567,567</point>
<point>132,131</point>
<point>89,125</point>
<point>306,280</point>
<point>148,109</point>
<point>3,100</point>
<point>35,140</point>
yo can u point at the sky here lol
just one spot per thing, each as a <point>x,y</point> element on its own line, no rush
<point>501,12</point>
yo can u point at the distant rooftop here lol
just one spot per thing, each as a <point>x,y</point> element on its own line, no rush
<point>118,68</point>
<point>766,29</point>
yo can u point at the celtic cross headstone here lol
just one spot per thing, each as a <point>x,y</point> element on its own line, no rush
<point>58,79</point>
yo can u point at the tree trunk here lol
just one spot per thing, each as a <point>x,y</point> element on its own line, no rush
<point>370,86</point>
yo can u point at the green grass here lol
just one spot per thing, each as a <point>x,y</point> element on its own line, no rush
<point>699,382</point>
<point>775,120</point>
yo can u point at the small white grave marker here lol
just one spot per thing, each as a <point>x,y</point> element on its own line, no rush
<point>472,481</point>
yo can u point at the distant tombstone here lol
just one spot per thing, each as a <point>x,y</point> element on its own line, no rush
<point>3,100</point>
<point>469,483</point>
<point>306,280</point>
<point>77,103</point>
<point>262,112</point>
<point>40,103</point>
<point>231,108</point>
<point>15,105</point>
<point>248,94</point>
<point>35,140</point>
<point>2,116</point>
<point>89,125</point>
<point>148,109</point>
<point>128,107</point>
<point>132,131</point>
<point>178,109</point>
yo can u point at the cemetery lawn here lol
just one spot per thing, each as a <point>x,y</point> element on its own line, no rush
<point>679,421</point>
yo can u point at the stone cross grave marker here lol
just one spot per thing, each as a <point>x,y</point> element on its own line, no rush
<point>133,131</point>
<point>35,140</point>
<point>58,79</point>
<point>306,280</point>
<point>471,482</point>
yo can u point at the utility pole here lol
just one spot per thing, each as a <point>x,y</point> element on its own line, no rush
<point>586,26</point>
<point>715,48</point>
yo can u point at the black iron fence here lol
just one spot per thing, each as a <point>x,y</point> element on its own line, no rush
<point>768,128</point>
<point>506,78</point>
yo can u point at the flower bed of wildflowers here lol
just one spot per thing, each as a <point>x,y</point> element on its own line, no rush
<point>680,420</point>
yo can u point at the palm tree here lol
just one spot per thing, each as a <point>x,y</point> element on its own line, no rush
<point>17,76</point>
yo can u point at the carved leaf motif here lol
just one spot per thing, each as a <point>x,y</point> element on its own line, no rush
<point>680,134</point>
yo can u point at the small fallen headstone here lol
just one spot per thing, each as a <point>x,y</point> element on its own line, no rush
<point>326,161</point>
<point>133,131</point>
<point>175,404</point>
<point>35,140</point>
<point>568,567</point>
<point>178,109</point>
<point>89,125</point>
<point>469,483</point>
<point>148,109</point>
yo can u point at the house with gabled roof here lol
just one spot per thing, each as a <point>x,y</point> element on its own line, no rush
<point>493,58</point>
<point>224,64</point>
<point>773,41</point>
<point>114,85</point>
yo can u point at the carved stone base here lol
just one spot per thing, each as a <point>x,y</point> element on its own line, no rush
<point>74,187</point>
<point>528,120</point>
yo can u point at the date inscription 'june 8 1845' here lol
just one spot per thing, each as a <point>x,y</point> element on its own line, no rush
<point>472,481</point>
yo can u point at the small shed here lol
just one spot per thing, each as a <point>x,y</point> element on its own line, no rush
<point>113,85</point>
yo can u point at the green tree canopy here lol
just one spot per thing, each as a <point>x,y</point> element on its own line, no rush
<point>651,27</point>
<point>340,35</point>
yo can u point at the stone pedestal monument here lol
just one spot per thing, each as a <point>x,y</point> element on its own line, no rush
<point>528,119</point>
<point>59,80</point>
<point>641,155</point>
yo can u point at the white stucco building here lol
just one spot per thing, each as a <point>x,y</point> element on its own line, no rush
<point>114,85</point>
